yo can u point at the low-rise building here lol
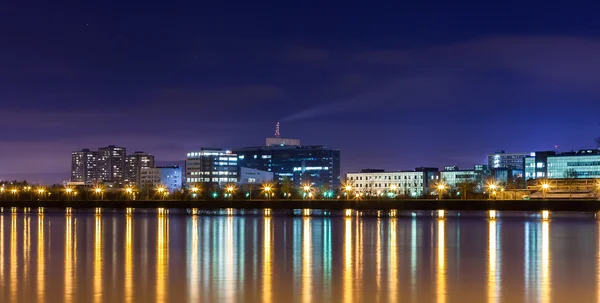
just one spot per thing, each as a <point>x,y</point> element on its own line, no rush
<point>211,166</point>
<point>169,177</point>
<point>413,183</point>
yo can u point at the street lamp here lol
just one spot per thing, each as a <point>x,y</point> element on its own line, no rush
<point>162,192</point>
<point>348,190</point>
<point>267,189</point>
<point>441,187</point>
<point>194,192</point>
<point>129,192</point>
<point>41,192</point>
<point>99,192</point>
<point>545,188</point>
<point>307,189</point>
<point>69,192</point>
<point>230,189</point>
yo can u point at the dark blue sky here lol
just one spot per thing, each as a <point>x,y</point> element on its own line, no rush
<point>393,85</point>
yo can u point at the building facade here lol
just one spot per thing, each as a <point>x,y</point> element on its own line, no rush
<point>501,159</point>
<point>169,177</point>
<point>211,166</point>
<point>410,183</point>
<point>84,166</point>
<point>254,176</point>
<point>581,164</point>
<point>318,166</point>
<point>111,164</point>
<point>134,164</point>
<point>453,175</point>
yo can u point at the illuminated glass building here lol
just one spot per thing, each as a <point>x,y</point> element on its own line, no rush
<point>502,159</point>
<point>582,164</point>
<point>211,166</point>
<point>315,165</point>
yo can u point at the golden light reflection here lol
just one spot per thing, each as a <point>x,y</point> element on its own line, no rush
<point>492,214</point>
<point>13,256</point>
<point>493,262</point>
<point>69,264</point>
<point>268,261</point>
<point>545,215</point>
<point>98,259</point>
<point>545,270</point>
<point>306,212</point>
<point>393,262</point>
<point>441,213</point>
<point>194,280</point>
<point>348,212</point>
<point>378,264</point>
<point>307,261</point>
<point>26,248</point>
<point>2,251</point>
<point>441,262</point>
<point>347,276</point>
<point>41,265</point>
<point>128,258</point>
<point>162,258</point>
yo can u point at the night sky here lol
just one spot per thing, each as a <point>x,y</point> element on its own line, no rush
<point>393,85</point>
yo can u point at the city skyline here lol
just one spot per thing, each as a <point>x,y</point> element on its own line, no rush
<point>175,77</point>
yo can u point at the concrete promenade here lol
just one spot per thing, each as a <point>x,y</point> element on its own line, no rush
<point>364,205</point>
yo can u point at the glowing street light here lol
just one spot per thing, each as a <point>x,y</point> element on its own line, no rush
<point>41,191</point>
<point>545,188</point>
<point>230,190</point>
<point>307,190</point>
<point>130,193</point>
<point>99,192</point>
<point>268,189</point>
<point>162,192</point>
<point>441,187</point>
<point>348,190</point>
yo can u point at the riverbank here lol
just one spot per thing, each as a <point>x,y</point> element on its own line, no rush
<point>452,205</point>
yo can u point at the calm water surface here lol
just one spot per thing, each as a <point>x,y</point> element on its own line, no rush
<point>175,258</point>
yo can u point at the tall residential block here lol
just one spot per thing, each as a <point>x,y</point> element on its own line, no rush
<point>134,163</point>
<point>84,166</point>
<point>111,164</point>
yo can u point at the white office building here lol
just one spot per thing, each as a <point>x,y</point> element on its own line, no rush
<point>376,182</point>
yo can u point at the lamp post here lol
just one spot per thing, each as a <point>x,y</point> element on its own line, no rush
<point>194,192</point>
<point>307,190</point>
<point>130,193</point>
<point>99,192</point>
<point>69,192</point>
<point>492,188</point>
<point>161,192</point>
<point>15,192</point>
<point>41,191</point>
<point>545,188</point>
<point>230,189</point>
<point>348,190</point>
<point>393,189</point>
<point>440,189</point>
<point>267,189</point>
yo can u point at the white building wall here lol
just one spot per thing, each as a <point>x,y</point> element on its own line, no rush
<point>410,182</point>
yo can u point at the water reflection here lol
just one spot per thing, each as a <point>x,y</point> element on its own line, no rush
<point>545,270</point>
<point>41,254</point>
<point>98,259</point>
<point>128,259</point>
<point>13,256</point>
<point>268,261</point>
<point>393,261</point>
<point>172,258</point>
<point>193,261</point>
<point>162,257</point>
<point>441,261</point>
<point>494,262</point>
<point>69,259</point>
<point>306,260</point>
<point>347,273</point>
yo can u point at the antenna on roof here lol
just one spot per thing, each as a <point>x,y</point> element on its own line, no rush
<point>277,134</point>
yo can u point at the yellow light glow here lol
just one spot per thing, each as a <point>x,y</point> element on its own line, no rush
<point>545,215</point>
<point>98,190</point>
<point>348,188</point>
<point>68,190</point>
<point>492,214</point>
<point>545,186</point>
<point>441,213</point>
<point>348,213</point>
<point>194,189</point>
<point>393,187</point>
